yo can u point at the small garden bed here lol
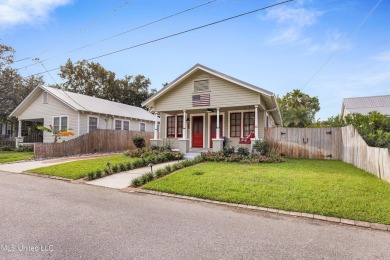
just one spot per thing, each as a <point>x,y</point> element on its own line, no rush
<point>323,187</point>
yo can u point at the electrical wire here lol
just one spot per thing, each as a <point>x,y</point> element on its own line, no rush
<point>176,34</point>
<point>357,28</point>
<point>124,32</point>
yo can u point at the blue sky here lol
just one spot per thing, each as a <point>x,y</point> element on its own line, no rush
<point>278,49</point>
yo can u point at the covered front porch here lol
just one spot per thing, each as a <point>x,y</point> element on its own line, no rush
<point>199,129</point>
<point>28,132</point>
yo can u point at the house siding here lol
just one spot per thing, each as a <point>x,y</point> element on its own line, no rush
<point>223,93</point>
<point>38,110</point>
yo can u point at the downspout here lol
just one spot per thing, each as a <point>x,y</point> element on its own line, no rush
<point>78,124</point>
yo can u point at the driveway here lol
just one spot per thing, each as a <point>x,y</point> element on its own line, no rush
<point>19,167</point>
<point>76,221</point>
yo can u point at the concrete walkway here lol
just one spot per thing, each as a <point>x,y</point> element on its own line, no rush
<point>123,179</point>
<point>19,167</point>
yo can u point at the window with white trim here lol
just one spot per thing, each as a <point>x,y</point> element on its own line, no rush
<point>170,126</point>
<point>60,123</point>
<point>142,127</point>
<point>249,123</point>
<point>126,125</point>
<point>92,123</point>
<point>235,125</point>
<point>179,132</point>
<point>118,124</point>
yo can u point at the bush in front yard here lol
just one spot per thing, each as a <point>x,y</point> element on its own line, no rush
<point>139,141</point>
<point>6,148</point>
<point>261,147</point>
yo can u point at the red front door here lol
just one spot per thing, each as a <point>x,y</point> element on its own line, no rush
<point>213,128</point>
<point>197,131</point>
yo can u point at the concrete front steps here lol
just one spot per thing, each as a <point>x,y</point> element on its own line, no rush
<point>190,155</point>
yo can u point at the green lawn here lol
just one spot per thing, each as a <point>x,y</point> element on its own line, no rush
<point>78,169</point>
<point>331,188</point>
<point>11,156</point>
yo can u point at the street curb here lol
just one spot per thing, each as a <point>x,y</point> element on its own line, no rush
<point>349,222</point>
<point>47,176</point>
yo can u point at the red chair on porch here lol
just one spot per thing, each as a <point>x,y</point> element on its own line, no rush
<point>247,140</point>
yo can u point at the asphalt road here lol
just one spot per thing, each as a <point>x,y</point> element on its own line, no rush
<point>76,221</point>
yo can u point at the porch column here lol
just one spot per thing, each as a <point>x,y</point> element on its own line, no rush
<point>20,128</point>
<point>155,126</point>
<point>218,136</point>
<point>184,124</point>
<point>256,122</point>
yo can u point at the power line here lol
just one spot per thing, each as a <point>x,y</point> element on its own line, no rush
<point>176,34</point>
<point>105,16</point>
<point>124,32</point>
<point>357,28</point>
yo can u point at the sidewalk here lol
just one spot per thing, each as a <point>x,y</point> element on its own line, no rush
<point>123,179</point>
<point>19,167</point>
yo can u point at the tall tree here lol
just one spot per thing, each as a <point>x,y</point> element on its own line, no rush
<point>298,109</point>
<point>13,87</point>
<point>93,79</point>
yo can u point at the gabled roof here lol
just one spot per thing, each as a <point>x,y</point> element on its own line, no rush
<point>79,102</point>
<point>363,105</point>
<point>196,67</point>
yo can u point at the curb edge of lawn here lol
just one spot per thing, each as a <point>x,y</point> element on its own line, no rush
<point>350,222</point>
<point>80,180</point>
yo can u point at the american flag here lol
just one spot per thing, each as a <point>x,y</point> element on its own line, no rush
<point>201,100</point>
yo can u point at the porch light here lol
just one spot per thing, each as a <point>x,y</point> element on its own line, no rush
<point>209,110</point>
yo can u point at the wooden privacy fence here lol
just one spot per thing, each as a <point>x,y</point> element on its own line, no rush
<point>98,141</point>
<point>338,143</point>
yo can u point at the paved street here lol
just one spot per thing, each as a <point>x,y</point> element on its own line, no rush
<point>78,221</point>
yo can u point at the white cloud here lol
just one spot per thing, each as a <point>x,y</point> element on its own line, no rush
<point>13,12</point>
<point>293,21</point>
<point>333,41</point>
<point>383,56</point>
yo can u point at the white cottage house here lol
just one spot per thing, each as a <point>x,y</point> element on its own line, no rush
<point>190,105</point>
<point>81,113</point>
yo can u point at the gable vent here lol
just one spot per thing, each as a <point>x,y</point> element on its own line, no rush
<point>201,85</point>
<point>45,98</point>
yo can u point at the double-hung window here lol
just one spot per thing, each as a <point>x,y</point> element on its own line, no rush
<point>179,126</point>
<point>170,126</point>
<point>92,123</point>
<point>118,124</point>
<point>235,125</point>
<point>60,123</point>
<point>126,125</point>
<point>249,123</point>
<point>142,127</point>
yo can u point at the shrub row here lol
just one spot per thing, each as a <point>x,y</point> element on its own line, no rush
<point>24,148</point>
<point>142,162</point>
<point>241,157</point>
<point>150,176</point>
